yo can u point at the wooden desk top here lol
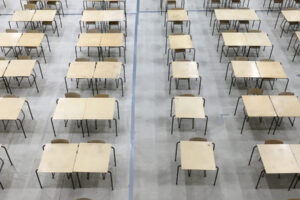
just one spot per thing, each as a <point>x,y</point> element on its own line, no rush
<point>10,108</point>
<point>236,14</point>
<point>31,40</point>
<point>189,107</point>
<point>185,69</point>
<point>19,68</point>
<point>258,39</point>
<point>286,106</point>
<point>177,15</point>
<point>9,39</point>
<point>93,158</point>
<point>44,16</point>
<point>197,155</point>
<point>99,109</point>
<point>22,16</point>
<point>70,109</point>
<point>58,158</point>
<point>89,40</point>
<point>81,70</point>
<point>234,39</point>
<point>245,69</point>
<point>270,69</point>
<point>258,106</point>
<point>108,70</point>
<point>278,159</point>
<point>3,65</point>
<point>180,42</point>
<point>295,148</point>
<point>291,15</point>
<point>111,39</point>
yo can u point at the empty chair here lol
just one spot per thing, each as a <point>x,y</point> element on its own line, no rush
<point>10,96</point>
<point>110,59</point>
<point>96,141</point>
<point>273,142</point>
<point>30,6</point>
<point>254,91</point>
<point>24,57</point>
<point>198,139</point>
<point>94,30</point>
<point>59,141</point>
<point>11,30</point>
<point>2,58</point>
<point>101,96</point>
<point>82,59</point>
<point>72,95</point>
<point>32,31</point>
<point>286,94</point>
<point>83,199</point>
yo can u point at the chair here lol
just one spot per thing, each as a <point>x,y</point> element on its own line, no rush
<point>286,94</point>
<point>30,6</point>
<point>273,142</point>
<point>82,59</point>
<point>187,95</point>
<point>11,30</point>
<point>60,141</point>
<point>101,96</point>
<point>2,58</point>
<point>212,4</point>
<point>110,59</point>
<point>57,7</point>
<point>72,95</point>
<point>199,139</point>
<point>24,57</point>
<point>272,4</point>
<point>114,23</point>
<point>93,31</point>
<point>235,2</point>
<point>10,96</point>
<point>83,199</point>
<point>32,31</point>
<point>255,91</point>
<point>96,141</point>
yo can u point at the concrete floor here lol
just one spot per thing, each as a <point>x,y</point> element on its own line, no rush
<point>154,170</point>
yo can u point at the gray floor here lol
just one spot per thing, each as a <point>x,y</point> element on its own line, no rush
<point>154,170</point>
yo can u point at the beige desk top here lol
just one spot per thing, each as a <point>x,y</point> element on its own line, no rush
<point>70,109</point>
<point>258,106</point>
<point>31,40</point>
<point>236,14</point>
<point>180,42</point>
<point>246,39</point>
<point>93,158</point>
<point>58,158</point>
<point>244,69</point>
<point>9,39</point>
<point>295,148</point>
<point>291,15</point>
<point>22,16</point>
<point>3,65</point>
<point>189,107</point>
<point>89,40</point>
<point>185,69</point>
<point>234,39</point>
<point>286,106</point>
<point>99,109</point>
<point>278,159</point>
<point>177,15</point>
<point>197,155</point>
<point>108,70</point>
<point>10,108</point>
<point>111,39</point>
<point>17,68</point>
<point>44,15</point>
<point>270,69</point>
<point>81,70</point>
<point>298,34</point>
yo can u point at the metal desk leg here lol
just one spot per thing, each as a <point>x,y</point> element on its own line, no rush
<point>111,180</point>
<point>116,126</point>
<point>216,175</point>
<point>53,126</point>
<point>200,79</point>
<point>38,178</point>
<point>114,152</point>
<point>206,124</point>
<point>252,154</point>
<point>22,127</point>
<point>78,179</point>
<point>29,109</point>
<point>261,175</point>
<point>177,173</point>
<point>237,103</point>
<point>171,106</point>
<point>176,150</point>
<point>293,182</point>
<point>170,84</point>
<point>172,124</point>
<point>246,117</point>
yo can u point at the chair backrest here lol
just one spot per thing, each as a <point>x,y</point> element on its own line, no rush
<point>267,60</point>
<point>10,96</point>
<point>96,141</point>
<point>187,95</point>
<point>72,95</point>
<point>90,9</point>
<point>241,58</point>
<point>273,142</point>
<point>101,96</point>
<point>83,199</point>
<point>255,91</point>
<point>30,6</point>
<point>230,31</point>
<point>48,9</point>
<point>11,30</point>
<point>82,59</point>
<point>254,31</point>
<point>198,139</point>
<point>59,141</point>
<point>24,57</point>
<point>2,58</point>
<point>93,31</point>
<point>177,9</point>
<point>32,31</point>
<point>113,31</point>
<point>109,59</point>
<point>286,94</point>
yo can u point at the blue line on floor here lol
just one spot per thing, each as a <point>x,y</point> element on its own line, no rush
<point>132,131</point>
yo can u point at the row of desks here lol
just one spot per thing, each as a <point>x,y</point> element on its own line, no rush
<point>75,158</point>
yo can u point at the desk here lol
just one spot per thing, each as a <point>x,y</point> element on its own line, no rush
<point>184,70</point>
<point>176,16</point>
<point>245,40</point>
<point>178,42</point>
<point>93,158</point>
<point>234,15</point>
<point>10,109</point>
<point>297,33</point>
<point>188,108</point>
<point>9,40</point>
<point>292,17</point>
<point>58,158</point>
<point>85,109</point>
<point>197,156</point>
<point>21,69</point>
<point>258,70</point>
